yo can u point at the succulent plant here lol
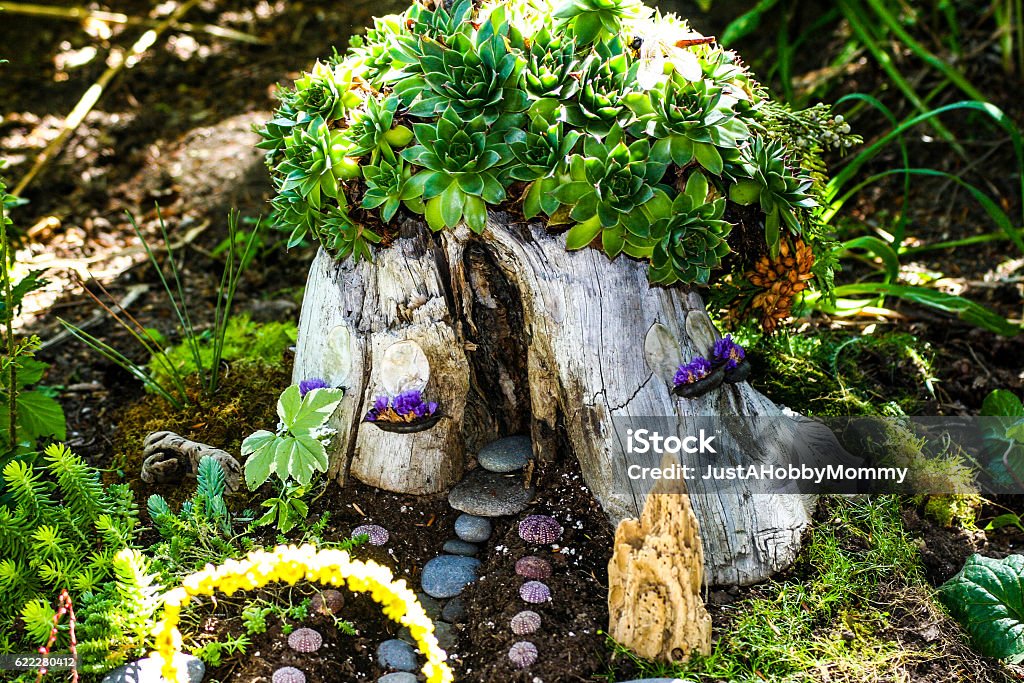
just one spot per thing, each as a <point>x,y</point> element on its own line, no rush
<point>764,177</point>
<point>541,153</point>
<point>460,161</point>
<point>325,92</point>
<point>315,162</point>
<point>388,187</point>
<point>727,353</point>
<point>373,129</point>
<point>377,534</point>
<point>593,20</point>
<point>534,592</point>
<point>693,371</point>
<point>540,529</point>
<point>690,120</point>
<point>690,241</point>
<point>551,67</point>
<point>372,54</point>
<point>526,622</point>
<point>533,567</point>
<point>288,674</point>
<point>606,79</point>
<point>344,237</point>
<point>305,640</point>
<point>522,654</point>
<point>407,406</point>
<point>608,186</point>
<point>478,76</point>
<point>328,602</point>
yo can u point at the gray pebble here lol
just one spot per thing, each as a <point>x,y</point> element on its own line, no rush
<point>488,494</point>
<point>454,611</point>
<point>457,546</point>
<point>446,576</point>
<point>430,605</point>
<point>473,529</point>
<point>510,454</point>
<point>148,670</point>
<point>398,677</point>
<point>396,654</point>
<point>446,636</point>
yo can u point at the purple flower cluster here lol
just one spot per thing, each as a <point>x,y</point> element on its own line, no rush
<point>308,385</point>
<point>696,369</point>
<point>728,352</point>
<point>406,407</point>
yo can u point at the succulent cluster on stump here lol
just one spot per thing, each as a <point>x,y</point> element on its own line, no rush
<point>604,118</point>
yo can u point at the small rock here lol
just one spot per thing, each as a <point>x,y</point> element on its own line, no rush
<point>445,634</point>
<point>510,454</point>
<point>396,654</point>
<point>148,670</point>
<point>398,677</point>
<point>457,546</point>
<point>488,494</point>
<point>454,611</point>
<point>430,605</point>
<point>447,575</point>
<point>473,529</point>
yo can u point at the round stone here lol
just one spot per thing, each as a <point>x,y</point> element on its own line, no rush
<point>457,546</point>
<point>398,677</point>
<point>488,494</point>
<point>473,529</point>
<point>454,611</point>
<point>510,454</point>
<point>430,605</point>
<point>533,567</point>
<point>445,634</point>
<point>446,576</point>
<point>396,654</point>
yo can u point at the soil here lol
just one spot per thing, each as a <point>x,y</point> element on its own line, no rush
<point>175,131</point>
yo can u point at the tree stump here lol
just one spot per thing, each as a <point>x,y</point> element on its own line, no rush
<point>526,337</point>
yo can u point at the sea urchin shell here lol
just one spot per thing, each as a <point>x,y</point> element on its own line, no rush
<point>523,654</point>
<point>539,529</point>
<point>533,567</point>
<point>288,674</point>
<point>378,534</point>
<point>327,602</point>
<point>525,623</point>
<point>534,592</point>
<point>305,640</point>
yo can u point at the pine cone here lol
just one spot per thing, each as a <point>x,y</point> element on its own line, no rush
<point>781,280</point>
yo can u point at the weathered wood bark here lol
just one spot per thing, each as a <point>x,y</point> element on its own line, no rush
<point>525,336</point>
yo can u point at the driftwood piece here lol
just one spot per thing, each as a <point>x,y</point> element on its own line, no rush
<point>654,580</point>
<point>169,458</point>
<point>525,337</point>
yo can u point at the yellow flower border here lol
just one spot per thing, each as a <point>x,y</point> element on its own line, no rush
<point>291,564</point>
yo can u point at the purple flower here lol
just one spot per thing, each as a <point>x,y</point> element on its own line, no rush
<point>696,369</point>
<point>407,406</point>
<point>407,402</point>
<point>728,352</point>
<point>308,385</point>
<point>381,404</point>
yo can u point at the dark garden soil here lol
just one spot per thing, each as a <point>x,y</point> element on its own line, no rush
<point>175,131</point>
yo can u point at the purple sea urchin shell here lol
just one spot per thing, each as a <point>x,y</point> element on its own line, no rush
<point>533,567</point>
<point>539,529</point>
<point>534,592</point>
<point>378,534</point>
<point>525,623</point>
<point>288,674</point>
<point>305,640</point>
<point>523,654</point>
<point>329,601</point>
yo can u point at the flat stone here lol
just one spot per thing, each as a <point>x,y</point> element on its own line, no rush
<point>447,575</point>
<point>473,529</point>
<point>398,677</point>
<point>489,494</point>
<point>430,605</point>
<point>456,546</point>
<point>510,454</point>
<point>148,670</point>
<point>396,654</point>
<point>446,636</point>
<point>454,611</point>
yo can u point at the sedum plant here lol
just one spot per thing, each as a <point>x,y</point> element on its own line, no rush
<point>606,118</point>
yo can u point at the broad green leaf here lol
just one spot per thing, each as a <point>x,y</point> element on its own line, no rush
<point>258,449</point>
<point>1002,402</point>
<point>986,597</point>
<point>284,454</point>
<point>288,405</point>
<point>582,234</point>
<point>316,408</point>
<point>308,456</point>
<point>39,416</point>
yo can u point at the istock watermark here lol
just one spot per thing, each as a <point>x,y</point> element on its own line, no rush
<point>789,473</point>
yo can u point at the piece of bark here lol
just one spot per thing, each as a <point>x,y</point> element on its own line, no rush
<point>169,458</point>
<point>654,579</point>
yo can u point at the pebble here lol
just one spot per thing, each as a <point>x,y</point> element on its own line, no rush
<point>510,454</point>
<point>396,654</point>
<point>430,605</point>
<point>148,670</point>
<point>445,576</point>
<point>473,529</point>
<point>445,634</point>
<point>488,494</point>
<point>454,611</point>
<point>457,546</point>
<point>398,677</point>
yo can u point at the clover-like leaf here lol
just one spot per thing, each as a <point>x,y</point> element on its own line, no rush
<point>987,599</point>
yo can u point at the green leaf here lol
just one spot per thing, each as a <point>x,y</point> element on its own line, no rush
<point>986,598</point>
<point>745,192</point>
<point>289,404</point>
<point>582,234</point>
<point>708,157</point>
<point>259,449</point>
<point>39,416</point>
<point>432,212</point>
<point>570,193</point>
<point>308,455</point>
<point>452,200</point>
<point>316,408</point>
<point>1002,402</point>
